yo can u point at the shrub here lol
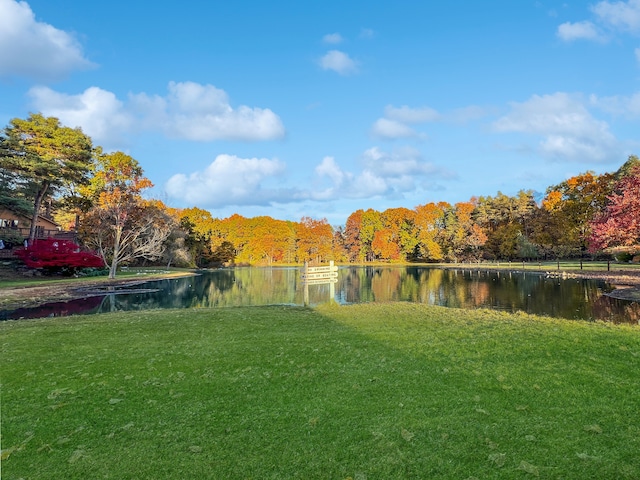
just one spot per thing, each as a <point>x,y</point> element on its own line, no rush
<point>58,256</point>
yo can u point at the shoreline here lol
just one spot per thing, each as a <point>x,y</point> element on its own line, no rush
<point>12,298</point>
<point>626,283</point>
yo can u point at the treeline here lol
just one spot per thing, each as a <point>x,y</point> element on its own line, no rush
<point>49,168</point>
<point>586,215</point>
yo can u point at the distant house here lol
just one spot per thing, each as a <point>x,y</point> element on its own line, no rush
<point>17,224</point>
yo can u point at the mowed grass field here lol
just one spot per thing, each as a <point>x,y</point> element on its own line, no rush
<point>375,391</point>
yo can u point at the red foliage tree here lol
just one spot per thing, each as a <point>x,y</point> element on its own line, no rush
<point>619,225</point>
<point>53,254</point>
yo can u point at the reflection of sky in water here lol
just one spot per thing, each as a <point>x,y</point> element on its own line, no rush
<point>532,293</point>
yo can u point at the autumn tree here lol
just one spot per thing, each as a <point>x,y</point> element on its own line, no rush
<point>314,239</point>
<point>371,223</point>
<point>619,224</point>
<point>269,240</point>
<point>122,226</point>
<point>58,256</point>
<point>385,245</point>
<point>573,205</point>
<point>400,222</point>
<point>49,157</point>
<point>340,251</point>
<point>351,236</point>
<point>429,225</point>
<point>462,237</point>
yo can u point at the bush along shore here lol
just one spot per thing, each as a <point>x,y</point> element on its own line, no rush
<point>370,391</point>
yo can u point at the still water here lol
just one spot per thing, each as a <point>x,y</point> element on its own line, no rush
<point>533,293</point>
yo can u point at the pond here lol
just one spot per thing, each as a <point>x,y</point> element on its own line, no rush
<point>577,299</point>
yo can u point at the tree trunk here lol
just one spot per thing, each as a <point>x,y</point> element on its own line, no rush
<point>36,210</point>
<point>116,253</point>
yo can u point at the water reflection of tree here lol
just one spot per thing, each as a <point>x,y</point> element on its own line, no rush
<point>479,293</point>
<point>617,311</point>
<point>385,285</point>
<point>575,299</point>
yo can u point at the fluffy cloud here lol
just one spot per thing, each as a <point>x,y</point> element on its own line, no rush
<point>567,130</point>
<point>618,16</point>
<point>388,174</point>
<point>230,180</point>
<point>233,181</point>
<point>391,129</point>
<point>339,62</point>
<point>202,112</point>
<point>33,49</point>
<point>100,114</point>
<point>624,16</point>
<point>580,30</point>
<point>189,111</point>
<point>396,121</point>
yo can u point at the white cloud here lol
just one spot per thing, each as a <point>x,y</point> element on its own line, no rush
<point>579,30</point>
<point>391,129</point>
<point>627,106</point>
<point>624,16</point>
<point>386,174</point>
<point>98,112</point>
<point>568,130</point>
<point>333,38</point>
<point>33,49</point>
<point>339,62</point>
<point>396,121</point>
<point>230,180</point>
<point>407,114</point>
<point>189,111</point>
<point>402,162</point>
<point>329,168</point>
<point>198,112</point>
<point>617,16</point>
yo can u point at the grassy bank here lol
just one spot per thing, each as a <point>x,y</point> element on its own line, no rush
<point>9,278</point>
<point>367,391</point>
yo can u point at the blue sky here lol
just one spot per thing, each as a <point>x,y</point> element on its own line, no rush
<point>292,109</point>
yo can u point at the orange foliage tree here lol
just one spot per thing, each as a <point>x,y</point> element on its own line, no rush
<point>122,226</point>
<point>314,240</point>
<point>429,223</point>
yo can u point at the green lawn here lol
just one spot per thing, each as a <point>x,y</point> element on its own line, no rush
<point>367,391</point>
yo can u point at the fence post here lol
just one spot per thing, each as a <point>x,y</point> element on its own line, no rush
<point>306,285</point>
